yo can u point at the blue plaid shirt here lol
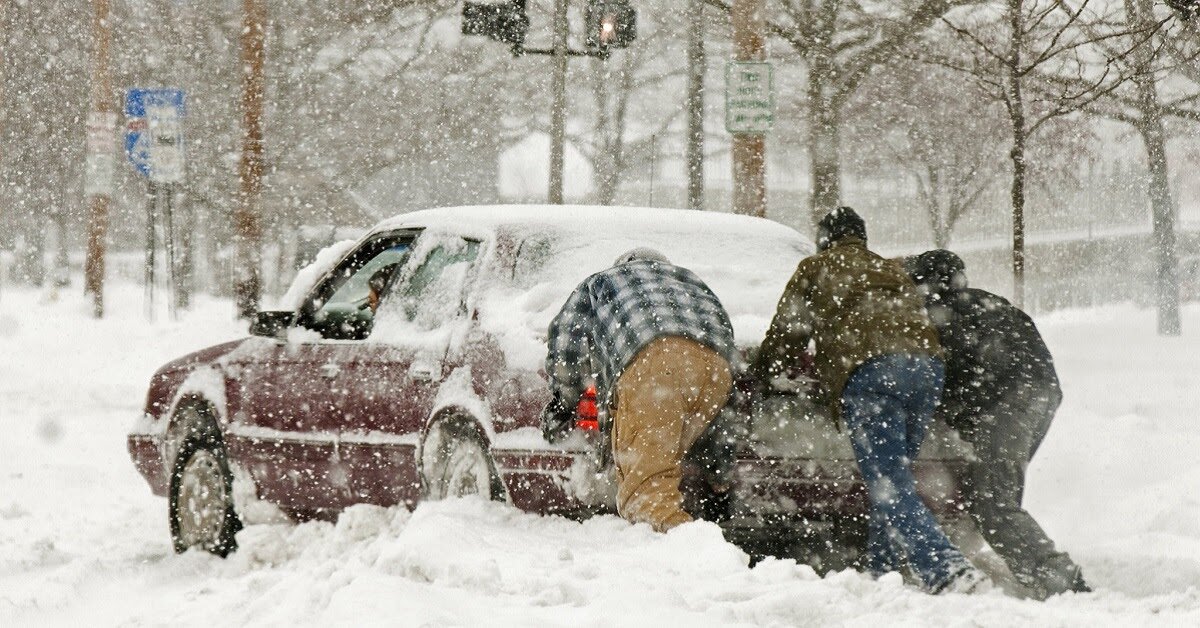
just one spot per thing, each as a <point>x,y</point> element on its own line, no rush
<point>616,312</point>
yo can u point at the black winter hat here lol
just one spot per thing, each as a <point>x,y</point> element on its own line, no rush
<point>939,269</point>
<point>840,223</point>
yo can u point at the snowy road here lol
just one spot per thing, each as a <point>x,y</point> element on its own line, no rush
<point>83,542</point>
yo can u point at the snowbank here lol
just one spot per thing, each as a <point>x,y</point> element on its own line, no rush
<point>82,541</point>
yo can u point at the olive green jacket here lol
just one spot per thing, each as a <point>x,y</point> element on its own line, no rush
<point>854,305</point>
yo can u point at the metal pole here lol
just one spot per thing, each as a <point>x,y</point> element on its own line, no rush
<point>695,104</point>
<point>100,154</point>
<point>749,149</point>
<point>169,243</point>
<point>247,225</point>
<point>151,202</point>
<point>653,166</point>
<point>558,112</point>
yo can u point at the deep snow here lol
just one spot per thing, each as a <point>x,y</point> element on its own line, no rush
<point>83,542</point>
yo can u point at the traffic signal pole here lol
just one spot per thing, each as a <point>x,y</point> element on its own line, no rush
<point>611,24</point>
<point>558,112</point>
<point>749,149</point>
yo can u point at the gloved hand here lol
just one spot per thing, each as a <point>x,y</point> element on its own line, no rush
<point>557,420</point>
<point>792,383</point>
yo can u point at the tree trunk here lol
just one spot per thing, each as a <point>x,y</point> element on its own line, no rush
<point>1016,111</point>
<point>824,139</point>
<point>101,125</point>
<point>824,147</point>
<point>1166,277</point>
<point>695,105</point>
<point>31,251</point>
<point>749,150</point>
<point>247,222</point>
<point>603,164</point>
<point>932,196</point>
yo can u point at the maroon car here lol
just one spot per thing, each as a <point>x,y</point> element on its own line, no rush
<point>437,392</point>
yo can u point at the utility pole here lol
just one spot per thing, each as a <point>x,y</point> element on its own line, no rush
<point>749,149</point>
<point>100,148</point>
<point>695,104</point>
<point>558,112</point>
<point>247,223</point>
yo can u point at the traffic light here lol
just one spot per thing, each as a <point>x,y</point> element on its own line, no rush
<point>504,21</point>
<point>610,24</point>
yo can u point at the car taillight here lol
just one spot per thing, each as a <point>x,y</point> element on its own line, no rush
<point>586,416</point>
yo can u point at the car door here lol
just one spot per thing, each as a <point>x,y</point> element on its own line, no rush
<point>397,375</point>
<point>292,392</point>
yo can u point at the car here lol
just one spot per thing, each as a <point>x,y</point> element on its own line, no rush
<point>438,393</point>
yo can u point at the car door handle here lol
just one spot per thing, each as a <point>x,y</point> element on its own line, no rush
<point>330,370</point>
<point>421,372</point>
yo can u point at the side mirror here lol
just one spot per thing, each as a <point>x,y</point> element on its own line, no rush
<point>271,324</point>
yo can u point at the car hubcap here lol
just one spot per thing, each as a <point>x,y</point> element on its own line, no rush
<point>468,471</point>
<point>203,501</point>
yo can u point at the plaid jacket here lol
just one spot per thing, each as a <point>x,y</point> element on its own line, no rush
<point>616,312</point>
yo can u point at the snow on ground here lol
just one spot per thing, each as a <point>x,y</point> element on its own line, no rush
<point>83,542</point>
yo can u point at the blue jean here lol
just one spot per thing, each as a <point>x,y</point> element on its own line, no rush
<point>888,404</point>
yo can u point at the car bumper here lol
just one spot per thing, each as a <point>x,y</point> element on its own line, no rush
<point>145,445</point>
<point>807,489</point>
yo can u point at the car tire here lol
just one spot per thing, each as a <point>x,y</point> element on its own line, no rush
<point>200,498</point>
<point>456,463</point>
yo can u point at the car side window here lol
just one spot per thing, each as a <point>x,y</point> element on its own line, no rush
<point>343,307</point>
<point>431,291</point>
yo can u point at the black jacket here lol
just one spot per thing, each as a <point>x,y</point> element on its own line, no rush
<point>994,355</point>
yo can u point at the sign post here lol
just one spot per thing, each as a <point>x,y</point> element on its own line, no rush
<point>748,88</point>
<point>154,146</point>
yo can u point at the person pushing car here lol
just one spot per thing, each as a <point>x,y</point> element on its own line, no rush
<point>879,362</point>
<point>659,346</point>
<point>1001,395</point>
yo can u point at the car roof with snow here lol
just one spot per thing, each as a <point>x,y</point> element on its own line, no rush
<point>746,261</point>
<point>488,219</point>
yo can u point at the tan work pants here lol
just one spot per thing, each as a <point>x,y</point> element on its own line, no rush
<point>666,397</point>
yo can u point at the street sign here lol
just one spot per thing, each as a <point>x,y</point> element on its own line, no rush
<point>749,97</point>
<point>100,149</point>
<point>154,132</point>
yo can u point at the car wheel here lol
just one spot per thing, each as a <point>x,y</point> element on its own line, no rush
<point>456,463</point>
<point>201,498</point>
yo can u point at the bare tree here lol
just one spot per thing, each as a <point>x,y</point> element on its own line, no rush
<point>1041,59</point>
<point>935,130</point>
<point>842,43</point>
<point>45,75</point>
<point>1165,83</point>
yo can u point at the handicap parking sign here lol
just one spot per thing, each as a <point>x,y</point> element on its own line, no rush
<point>154,132</point>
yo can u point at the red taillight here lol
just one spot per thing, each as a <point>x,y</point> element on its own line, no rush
<point>586,415</point>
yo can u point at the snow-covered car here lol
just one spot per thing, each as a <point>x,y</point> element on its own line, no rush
<point>438,392</point>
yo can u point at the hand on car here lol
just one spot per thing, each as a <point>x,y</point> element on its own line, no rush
<point>557,420</point>
<point>792,383</point>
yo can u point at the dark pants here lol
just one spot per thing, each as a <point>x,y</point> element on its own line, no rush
<point>888,404</point>
<point>1005,438</point>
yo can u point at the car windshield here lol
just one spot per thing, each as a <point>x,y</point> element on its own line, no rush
<point>354,291</point>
